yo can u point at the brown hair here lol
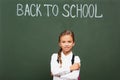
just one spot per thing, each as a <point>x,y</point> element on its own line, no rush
<point>65,32</point>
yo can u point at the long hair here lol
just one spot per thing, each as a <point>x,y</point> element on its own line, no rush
<point>66,32</point>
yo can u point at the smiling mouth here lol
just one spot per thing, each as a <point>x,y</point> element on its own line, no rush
<point>66,47</point>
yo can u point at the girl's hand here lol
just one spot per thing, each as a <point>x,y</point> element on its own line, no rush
<point>75,66</point>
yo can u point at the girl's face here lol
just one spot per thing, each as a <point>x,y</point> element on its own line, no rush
<point>66,43</point>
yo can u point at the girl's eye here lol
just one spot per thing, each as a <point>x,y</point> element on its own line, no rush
<point>69,41</point>
<point>63,41</point>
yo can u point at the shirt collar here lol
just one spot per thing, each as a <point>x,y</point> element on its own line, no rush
<point>67,56</point>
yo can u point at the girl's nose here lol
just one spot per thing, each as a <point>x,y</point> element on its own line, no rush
<point>66,43</point>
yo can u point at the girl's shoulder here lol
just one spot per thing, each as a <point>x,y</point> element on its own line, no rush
<point>76,56</point>
<point>54,55</point>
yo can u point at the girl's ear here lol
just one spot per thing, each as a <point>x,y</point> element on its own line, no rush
<point>74,44</point>
<point>59,44</point>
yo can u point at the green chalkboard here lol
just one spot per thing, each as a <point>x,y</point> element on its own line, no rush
<point>29,31</point>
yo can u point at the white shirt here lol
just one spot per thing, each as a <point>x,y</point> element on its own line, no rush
<point>64,73</point>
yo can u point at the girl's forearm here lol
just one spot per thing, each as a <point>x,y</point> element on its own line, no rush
<point>75,66</point>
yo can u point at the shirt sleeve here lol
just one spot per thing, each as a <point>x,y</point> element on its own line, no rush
<point>77,59</point>
<point>56,70</point>
<point>74,74</point>
<point>71,76</point>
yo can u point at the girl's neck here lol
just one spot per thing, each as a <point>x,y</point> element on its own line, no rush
<point>66,53</point>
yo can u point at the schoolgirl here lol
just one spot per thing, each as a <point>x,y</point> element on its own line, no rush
<point>64,65</point>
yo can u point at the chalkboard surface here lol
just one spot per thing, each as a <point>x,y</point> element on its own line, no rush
<point>29,31</point>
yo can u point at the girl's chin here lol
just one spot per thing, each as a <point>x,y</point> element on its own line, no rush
<point>66,51</point>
